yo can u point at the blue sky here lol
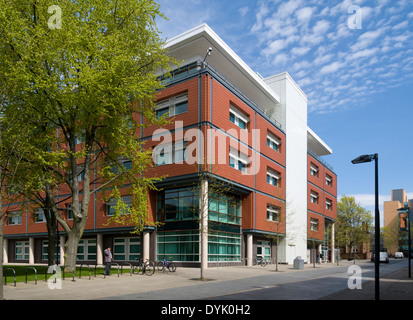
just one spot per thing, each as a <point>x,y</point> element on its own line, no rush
<point>358,81</point>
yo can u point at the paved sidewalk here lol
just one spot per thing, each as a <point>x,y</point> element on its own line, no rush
<point>396,285</point>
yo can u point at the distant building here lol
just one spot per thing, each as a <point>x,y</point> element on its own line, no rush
<point>395,241</point>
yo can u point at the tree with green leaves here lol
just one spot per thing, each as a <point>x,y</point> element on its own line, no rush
<point>354,224</point>
<point>82,75</point>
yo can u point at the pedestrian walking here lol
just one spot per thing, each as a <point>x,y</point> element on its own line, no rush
<point>108,260</point>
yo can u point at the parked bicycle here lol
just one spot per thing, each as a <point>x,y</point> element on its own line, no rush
<point>259,261</point>
<point>164,264</point>
<point>146,267</point>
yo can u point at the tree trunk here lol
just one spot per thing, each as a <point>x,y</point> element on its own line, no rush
<point>51,250</point>
<point>71,245</point>
<point>51,235</point>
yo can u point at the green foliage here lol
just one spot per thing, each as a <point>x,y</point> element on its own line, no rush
<point>354,223</point>
<point>91,81</point>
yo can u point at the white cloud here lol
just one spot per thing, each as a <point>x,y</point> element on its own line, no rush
<point>368,200</point>
<point>363,54</point>
<point>300,51</point>
<point>304,15</point>
<point>401,25</point>
<point>321,27</point>
<point>323,59</point>
<point>261,13</point>
<point>243,11</point>
<point>275,46</point>
<point>333,67</point>
<point>280,59</point>
<point>287,8</point>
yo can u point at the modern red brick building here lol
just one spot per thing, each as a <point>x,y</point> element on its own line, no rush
<point>247,132</point>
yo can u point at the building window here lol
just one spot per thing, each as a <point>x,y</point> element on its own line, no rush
<point>224,209</point>
<point>314,170</point>
<point>123,163</point>
<point>329,204</point>
<point>314,224</point>
<point>224,246</point>
<point>264,250</point>
<point>22,250</point>
<point>123,208</point>
<point>273,142</point>
<point>329,180</point>
<point>238,118</point>
<point>272,213</point>
<point>14,218</point>
<point>273,177</point>
<point>172,153</point>
<point>86,250</point>
<point>238,160</point>
<point>178,245</point>
<point>39,216</point>
<point>314,197</point>
<point>126,249</point>
<point>45,251</point>
<point>177,205</point>
<point>172,107</point>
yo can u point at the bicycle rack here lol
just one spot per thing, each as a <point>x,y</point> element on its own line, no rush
<point>124,264</point>
<point>5,277</point>
<point>117,265</point>
<point>73,272</point>
<point>80,270</point>
<point>35,274</point>
<point>96,265</point>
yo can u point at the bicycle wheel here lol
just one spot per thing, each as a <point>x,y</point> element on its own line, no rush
<point>172,267</point>
<point>141,269</point>
<point>149,268</point>
<point>263,263</point>
<point>161,265</point>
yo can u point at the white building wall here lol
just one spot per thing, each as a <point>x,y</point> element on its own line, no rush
<point>294,112</point>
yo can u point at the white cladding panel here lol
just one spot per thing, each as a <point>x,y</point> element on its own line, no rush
<point>294,113</point>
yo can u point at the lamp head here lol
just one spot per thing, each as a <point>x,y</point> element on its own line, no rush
<point>363,159</point>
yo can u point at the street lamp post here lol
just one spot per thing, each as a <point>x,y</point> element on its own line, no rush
<point>364,159</point>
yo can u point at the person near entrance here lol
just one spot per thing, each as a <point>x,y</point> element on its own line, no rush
<point>108,260</point>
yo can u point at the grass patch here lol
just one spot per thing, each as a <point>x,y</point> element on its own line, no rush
<point>41,273</point>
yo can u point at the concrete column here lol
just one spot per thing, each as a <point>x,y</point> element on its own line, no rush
<point>99,249</point>
<point>145,245</point>
<point>62,250</point>
<point>318,252</point>
<point>249,250</point>
<point>5,251</point>
<point>31,250</point>
<point>204,223</point>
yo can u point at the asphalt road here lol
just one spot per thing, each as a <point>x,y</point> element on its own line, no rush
<point>309,284</point>
<point>223,283</point>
